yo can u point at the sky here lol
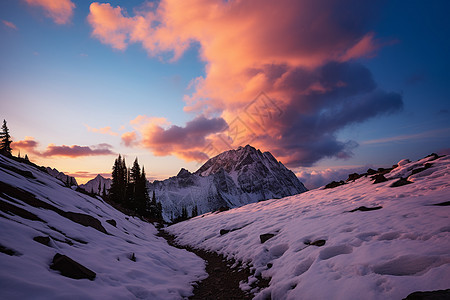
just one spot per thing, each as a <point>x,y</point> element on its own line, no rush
<point>328,87</point>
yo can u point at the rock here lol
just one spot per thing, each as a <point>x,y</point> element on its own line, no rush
<point>112,222</point>
<point>44,240</point>
<point>85,220</point>
<point>9,251</point>
<point>133,257</point>
<point>269,265</point>
<point>371,172</point>
<point>418,170</point>
<point>265,237</point>
<point>70,268</point>
<point>224,231</point>
<point>318,243</point>
<point>364,208</point>
<point>334,184</point>
<point>431,295</point>
<point>433,156</point>
<point>446,203</point>
<point>378,178</point>
<point>402,181</point>
<point>353,177</point>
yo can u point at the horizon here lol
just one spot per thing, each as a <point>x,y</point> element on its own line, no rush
<point>333,88</point>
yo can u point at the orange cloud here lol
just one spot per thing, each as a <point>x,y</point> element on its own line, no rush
<point>129,138</point>
<point>189,142</point>
<point>104,130</point>
<point>302,54</point>
<point>9,24</point>
<point>60,11</point>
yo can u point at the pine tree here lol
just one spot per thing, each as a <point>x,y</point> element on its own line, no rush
<point>119,175</point>
<point>5,140</point>
<point>99,187</point>
<point>144,196</point>
<point>26,157</point>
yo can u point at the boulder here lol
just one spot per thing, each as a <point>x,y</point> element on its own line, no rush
<point>378,178</point>
<point>364,208</point>
<point>264,237</point>
<point>112,222</point>
<point>44,240</point>
<point>430,295</point>
<point>70,268</point>
<point>402,181</point>
<point>334,184</point>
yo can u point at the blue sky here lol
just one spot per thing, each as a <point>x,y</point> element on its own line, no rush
<point>58,80</point>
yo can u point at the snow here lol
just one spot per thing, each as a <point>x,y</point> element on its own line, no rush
<point>160,271</point>
<point>380,254</point>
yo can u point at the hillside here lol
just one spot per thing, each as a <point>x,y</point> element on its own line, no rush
<point>45,226</point>
<point>381,236</point>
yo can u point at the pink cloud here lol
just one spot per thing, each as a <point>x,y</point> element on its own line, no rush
<point>129,138</point>
<point>61,11</point>
<point>105,130</point>
<point>302,54</point>
<point>77,151</point>
<point>161,138</point>
<point>9,24</point>
<point>29,145</point>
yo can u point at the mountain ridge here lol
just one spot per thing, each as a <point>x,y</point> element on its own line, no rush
<point>231,179</point>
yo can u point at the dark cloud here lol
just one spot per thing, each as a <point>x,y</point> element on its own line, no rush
<point>77,151</point>
<point>186,142</point>
<point>320,103</point>
<point>31,146</point>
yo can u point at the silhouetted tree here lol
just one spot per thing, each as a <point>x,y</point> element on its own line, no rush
<point>119,175</point>
<point>26,157</point>
<point>5,140</point>
<point>194,211</point>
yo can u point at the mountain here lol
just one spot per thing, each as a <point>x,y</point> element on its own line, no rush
<point>61,176</point>
<point>97,185</point>
<point>381,235</point>
<point>56,243</point>
<point>230,179</point>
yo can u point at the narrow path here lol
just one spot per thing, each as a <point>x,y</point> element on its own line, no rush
<point>223,281</point>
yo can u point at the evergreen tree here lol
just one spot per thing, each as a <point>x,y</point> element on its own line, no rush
<point>5,140</point>
<point>144,198</point>
<point>26,157</point>
<point>194,211</point>
<point>119,175</point>
<point>99,187</point>
<point>104,192</point>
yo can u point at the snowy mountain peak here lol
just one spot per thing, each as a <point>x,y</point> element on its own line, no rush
<point>230,179</point>
<point>97,185</point>
<point>234,160</point>
<point>66,179</point>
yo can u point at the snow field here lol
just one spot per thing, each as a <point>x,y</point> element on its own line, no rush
<point>380,254</point>
<point>160,271</point>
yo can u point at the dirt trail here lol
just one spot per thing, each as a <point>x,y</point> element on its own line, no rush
<point>223,281</point>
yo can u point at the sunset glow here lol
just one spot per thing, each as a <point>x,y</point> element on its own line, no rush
<point>325,86</point>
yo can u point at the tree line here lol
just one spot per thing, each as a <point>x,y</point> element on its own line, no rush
<point>129,189</point>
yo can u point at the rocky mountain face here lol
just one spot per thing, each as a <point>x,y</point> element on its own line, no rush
<point>97,185</point>
<point>68,180</point>
<point>231,179</point>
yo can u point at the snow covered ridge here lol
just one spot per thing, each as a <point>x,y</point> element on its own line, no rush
<point>231,179</point>
<point>97,185</point>
<point>47,230</point>
<point>360,240</point>
<point>68,180</point>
